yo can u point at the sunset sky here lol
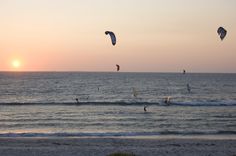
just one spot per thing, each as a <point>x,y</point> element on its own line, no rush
<point>152,35</point>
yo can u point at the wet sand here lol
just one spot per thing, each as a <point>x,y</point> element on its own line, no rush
<point>104,146</point>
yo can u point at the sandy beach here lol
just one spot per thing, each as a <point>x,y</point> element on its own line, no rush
<point>104,146</point>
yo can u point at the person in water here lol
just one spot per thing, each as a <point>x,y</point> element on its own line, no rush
<point>167,100</point>
<point>188,88</point>
<point>77,100</point>
<point>145,108</point>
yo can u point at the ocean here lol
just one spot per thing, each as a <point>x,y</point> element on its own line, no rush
<point>43,104</point>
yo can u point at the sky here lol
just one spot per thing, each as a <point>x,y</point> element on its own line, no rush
<point>152,35</point>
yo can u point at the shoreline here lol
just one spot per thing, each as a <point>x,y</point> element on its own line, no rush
<point>201,137</point>
<point>102,146</point>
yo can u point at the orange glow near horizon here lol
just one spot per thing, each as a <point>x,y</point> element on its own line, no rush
<point>16,64</point>
<point>152,35</point>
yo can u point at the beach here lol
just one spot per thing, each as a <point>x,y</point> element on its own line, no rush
<point>99,146</point>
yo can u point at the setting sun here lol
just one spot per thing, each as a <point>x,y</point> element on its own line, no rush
<point>16,63</point>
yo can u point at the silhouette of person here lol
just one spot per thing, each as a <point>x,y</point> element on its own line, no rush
<point>167,100</point>
<point>145,108</point>
<point>188,88</point>
<point>77,100</point>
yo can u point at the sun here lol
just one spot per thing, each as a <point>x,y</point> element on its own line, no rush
<point>16,64</point>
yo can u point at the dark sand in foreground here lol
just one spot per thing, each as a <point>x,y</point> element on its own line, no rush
<point>104,146</point>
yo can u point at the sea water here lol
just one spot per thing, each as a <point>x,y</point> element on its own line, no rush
<point>44,104</point>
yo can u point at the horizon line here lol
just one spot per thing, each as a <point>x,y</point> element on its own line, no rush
<point>76,71</point>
